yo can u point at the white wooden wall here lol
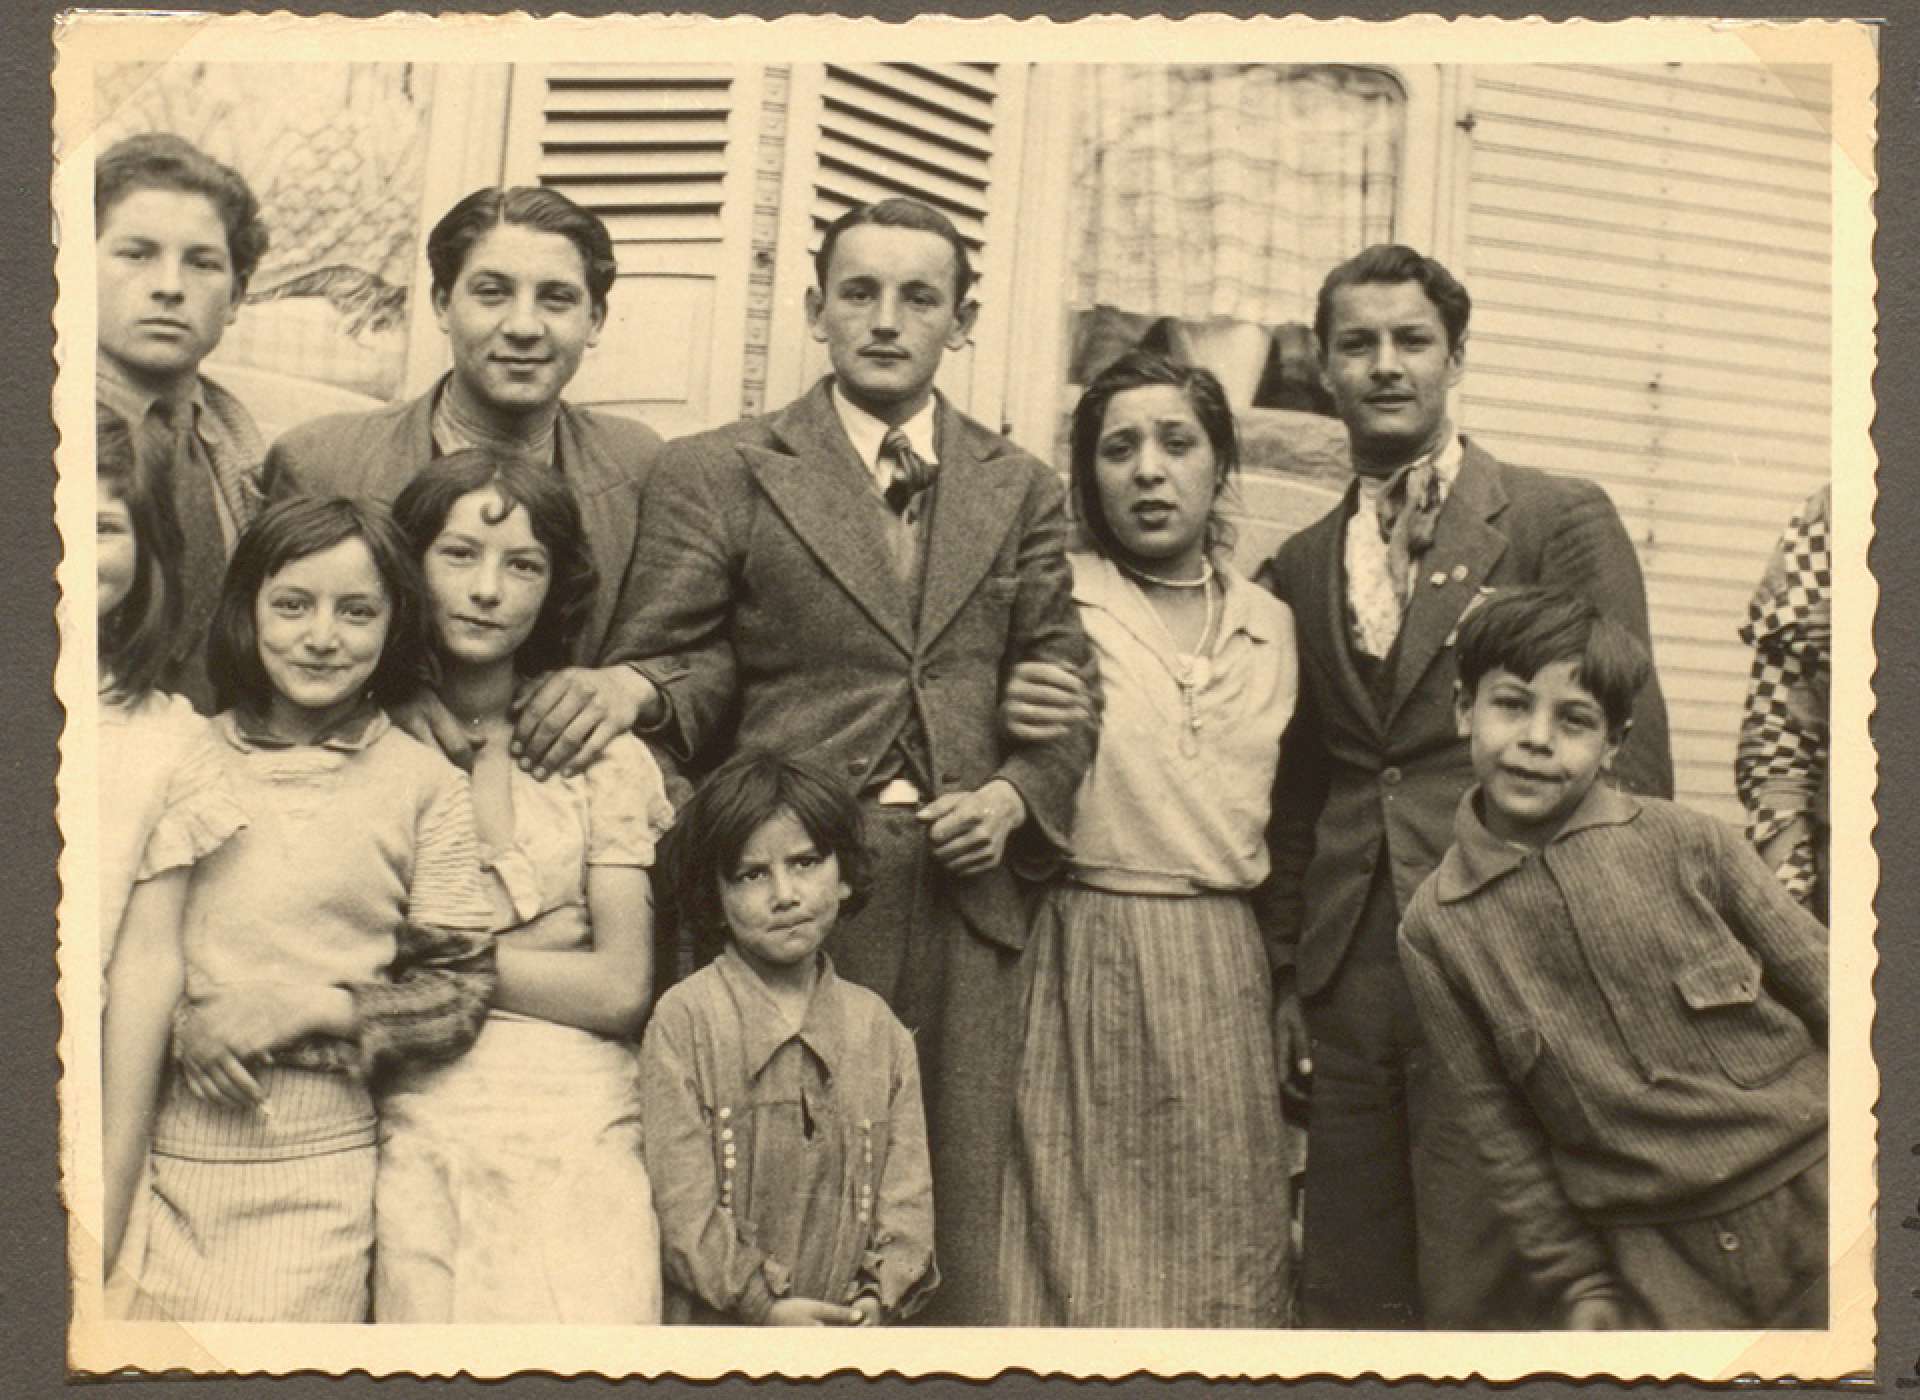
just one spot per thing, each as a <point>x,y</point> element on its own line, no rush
<point>1648,251</point>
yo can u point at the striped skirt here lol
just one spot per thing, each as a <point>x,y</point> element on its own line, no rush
<point>1146,1186</point>
<point>261,1215</point>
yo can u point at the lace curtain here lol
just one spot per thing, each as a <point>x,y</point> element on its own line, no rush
<point>1229,190</point>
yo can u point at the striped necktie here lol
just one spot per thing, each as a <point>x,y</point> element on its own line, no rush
<point>912,473</point>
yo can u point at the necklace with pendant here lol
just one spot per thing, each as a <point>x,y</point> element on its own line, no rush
<point>1192,671</point>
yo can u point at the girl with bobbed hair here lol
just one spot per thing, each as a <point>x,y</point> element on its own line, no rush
<point>1145,1186</point>
<point>512,1187</point>
<point>342,933</point>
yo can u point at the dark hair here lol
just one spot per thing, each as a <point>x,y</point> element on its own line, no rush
<point>294,529</point>
<point>742,795</point>
<point>1395,262</point>
<point>553,515</point>
<point>1139,369</point>
<point>532,207</point>
<point>159,160</point>
<point>898,213</point>
<point>1523,630</point>
<point>140,636</point>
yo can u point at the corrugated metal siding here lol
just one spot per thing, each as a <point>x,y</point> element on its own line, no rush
<point>1648,250</point>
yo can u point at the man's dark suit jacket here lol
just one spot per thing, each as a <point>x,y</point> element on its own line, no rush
<point>604,459</point>
<point>773,618</point>
<point>1354,771</point>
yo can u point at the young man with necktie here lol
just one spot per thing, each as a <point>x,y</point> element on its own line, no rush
<point>178,235</point>
<point>846,580</point>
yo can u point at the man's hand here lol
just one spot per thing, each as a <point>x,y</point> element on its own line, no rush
<point>968,831</point>
<point>562,720</point>
<point>1045,701</point>
<point>426,717</point>
<point>1291,1045</point>
<point>810,1312</point>
<point>1596,1314</point>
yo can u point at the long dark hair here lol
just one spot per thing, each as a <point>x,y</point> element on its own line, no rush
<point>1141,369</point>
<point>139,637</point>
<point>294,529</point>
<point>553,514</point>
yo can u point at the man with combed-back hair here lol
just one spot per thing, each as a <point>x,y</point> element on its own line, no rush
<point>1399,1228</point>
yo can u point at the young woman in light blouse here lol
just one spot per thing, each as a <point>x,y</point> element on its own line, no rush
<point>1146,1188</point>
<point>512,1188</point>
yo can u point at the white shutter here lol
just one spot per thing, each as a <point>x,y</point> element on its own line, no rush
<point>925,131</point>
<point>1648,250</point>
<point>662,152</point>
<point>947,134</point>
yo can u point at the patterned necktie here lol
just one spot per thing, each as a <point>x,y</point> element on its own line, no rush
<point>912,473</point>
<point>204,562</point>
<point>1409,510</point>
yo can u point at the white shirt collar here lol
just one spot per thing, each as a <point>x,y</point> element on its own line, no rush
<point>867,433</point>
<point>1446,465</point>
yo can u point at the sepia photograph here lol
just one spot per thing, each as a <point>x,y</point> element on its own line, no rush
<point>1176,697</point>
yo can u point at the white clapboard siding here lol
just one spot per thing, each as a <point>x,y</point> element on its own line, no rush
<point>1649,249</point>
<point>661,153</point>
<point>946,134</point>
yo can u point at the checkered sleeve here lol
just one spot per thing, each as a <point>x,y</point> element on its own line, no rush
<point>1780,761</point>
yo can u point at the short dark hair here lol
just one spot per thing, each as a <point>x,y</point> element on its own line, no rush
<point>142,634</point>
<point>1395,262</point>
<point>1139,369</point>
<point>159,160</point>
<point>898,213</point>
<point>532,207</point>
<point>1523,630</point>
<point>554,516</point>
<point>742,795</point>
<point>293,529</point>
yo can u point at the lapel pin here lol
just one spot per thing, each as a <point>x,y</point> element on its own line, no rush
<point>1459,573</point>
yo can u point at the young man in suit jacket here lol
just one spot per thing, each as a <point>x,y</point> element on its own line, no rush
<point>847,580</point>
<point>1399,1232</point>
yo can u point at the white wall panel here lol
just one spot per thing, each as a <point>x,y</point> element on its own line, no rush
<point>1648,250</point>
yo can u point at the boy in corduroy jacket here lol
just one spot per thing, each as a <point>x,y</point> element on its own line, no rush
<point>1636,1011</point>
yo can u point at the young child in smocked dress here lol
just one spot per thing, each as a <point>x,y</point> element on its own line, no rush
<point>784,1130</point>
